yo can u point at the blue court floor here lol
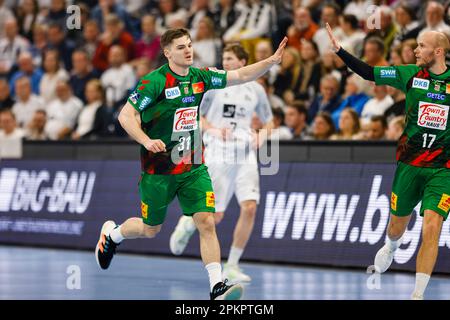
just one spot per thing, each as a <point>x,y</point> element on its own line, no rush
<point>29,273</point>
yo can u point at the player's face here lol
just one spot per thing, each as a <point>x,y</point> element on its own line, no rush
<point>231,62</point>
<point>180,52</point>
<point>425,52</point>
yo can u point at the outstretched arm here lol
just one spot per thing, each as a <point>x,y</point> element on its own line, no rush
<point>256,70</point>
<point>358,66</point>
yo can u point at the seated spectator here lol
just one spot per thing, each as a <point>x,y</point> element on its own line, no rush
<point>11,46</point>
<point>108,7</point>
<point>57,13</point>
<point>353,36</point>
<point>406,19</point>
<point>374,52</point>
<point>359,8</point>
<point>323,127</point>
<point>354,96</point>
<point>28,17</point>
<point>6,101</point>
<point>395,128</point>
<point>330,14</point>
<point>91,38</point>
<point>385,29</point>
<point>274,100</point>
<point>303,28</point>
<point>65,47</point>
<point>114,35</point>
<point>310,72</point>
<point>279,130</point>
<point>207,47</point>
<point>408,55</point>
<point>289,73</point>
<point>377,128</point>
<point>118,79</point>
<point>36,128</point>
<point>349,128</point>
<point>92,118</point>
<point>141,69</point>
<point>328,99</point>
<point>199,9</point>
<point>295,118</point>
<point>395,56</point>
<point>5,15</point>
<point>62,113</point>
<point>27,102</point>
<point>10,136</point>
<point>39,44</point>
<point>399,106</point>
<point>148,46</point>
<point>170,13</point>
<point>377,105</point>
<point>264,50</point>
<point>82,73</point>
<point>225,15</point>
<point>434,18</point>
<point>53,73</point>
<point>26,69</point>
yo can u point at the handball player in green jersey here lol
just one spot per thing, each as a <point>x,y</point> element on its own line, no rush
<point>423,153</point>
<point>162,116</point>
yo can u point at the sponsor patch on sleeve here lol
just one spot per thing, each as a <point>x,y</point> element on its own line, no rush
<point>144,210</point>
<point>444,204</point>
<point>394,201</point>
<point>210,199</point>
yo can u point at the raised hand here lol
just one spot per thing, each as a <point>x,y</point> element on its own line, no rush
<point>278,55</point>
<point>334,42</point>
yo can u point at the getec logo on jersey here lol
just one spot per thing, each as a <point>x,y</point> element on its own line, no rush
<point>388,73</point>
<point>432,115</point>
<point>185,119</point>
<point>172,93</point>
<point>421,83</point>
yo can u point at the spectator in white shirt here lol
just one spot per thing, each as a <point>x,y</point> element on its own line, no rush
<point>63,112</point>
<point>11,46</point>
<point>434,17</point>
<point>354,37</point>
<point>36,128</point>
<point>206,45</point>
<point>118,79</point>
<point>27,102</point>
<point>5,14</point>
<point>395,128</point>
<point>330,14</point>
<point>10,136</point>
<point>377,105</point>
<point>54,73</point>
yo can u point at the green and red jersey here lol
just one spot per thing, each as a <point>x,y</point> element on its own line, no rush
<point>168,105</point>
<point>425,141</point>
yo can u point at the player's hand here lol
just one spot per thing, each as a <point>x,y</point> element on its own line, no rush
<point>155,146</point>
<point>334,42</point>
<point>278,55</point>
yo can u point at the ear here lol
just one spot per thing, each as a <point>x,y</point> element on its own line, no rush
<point>166,53</point>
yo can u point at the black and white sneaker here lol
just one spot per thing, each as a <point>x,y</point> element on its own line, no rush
<point>106,248</point>
<point>222,291</point>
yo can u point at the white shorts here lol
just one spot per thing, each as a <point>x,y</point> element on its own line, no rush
<point>241,179</point>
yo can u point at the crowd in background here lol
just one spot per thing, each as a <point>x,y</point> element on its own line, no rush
<point>59,82</point>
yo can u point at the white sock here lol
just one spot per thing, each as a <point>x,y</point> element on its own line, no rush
<point>215,273</point>
<point>116,235</point>
<point>394,244</point>
<point>421,283</point>
<point>235,255</point>
<point>190,226</point>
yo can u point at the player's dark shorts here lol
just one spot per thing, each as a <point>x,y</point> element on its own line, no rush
<point>193,189</point>
<point>414,184</point>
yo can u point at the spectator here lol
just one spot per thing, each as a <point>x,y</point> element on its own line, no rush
<point>353,36</point>
<point>10,136</point>
<point>279,130</point>
<point>11,46</point>
<point>310,72</point>
<point>399,106</point>
<point>27,102</point>
<point>6,101</point>
<point>114,35</point>
<point>225,15</point>
<point>289,73</point>
<point>110,7</point>
<point>148,46</point>
<point>434,17</point>
<point>118,79</point>
<point>395,57</point>
<point>5,14</point>
<point>330,14</point>
<point>359,8</point>
<point>56,40</point>
<point>408,55</point>
<point>303,28</point>
<point>295,118</point>
<point>377,105</point>
<point>36,128</point>
<point>53,73</point>
<point>395,128</point>
<point>349,128</point>
<point>74,34</point>
<point>28,17</point>
<point>405,17</point>
<point>57,14</point>
<point>354,96</point>
<point>323,126</point>
<point>40,42</point>
<point>207,47</point>
<point>170,13</point>
<point>142,68</point>
<point>92,119</point>
<point>26,69</point>
<point>274,100</point>
<point>62,113</point>
<point>374,52</point>
<point>82,72</point>
<point>199,9</point>
<point>90,41</point>
<point>263,50</point>
<point>386,30</point>
<point>328,99</point>
<point>377,128</point>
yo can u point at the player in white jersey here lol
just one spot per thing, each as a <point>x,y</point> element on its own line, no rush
<point>230,154</point>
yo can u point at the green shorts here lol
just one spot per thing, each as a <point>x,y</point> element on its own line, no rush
<point>414,184</point>
<point>193,189</point>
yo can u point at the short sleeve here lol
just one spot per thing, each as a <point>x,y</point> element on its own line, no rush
<point>395,76</point>
<point>207,101</point>
<point>144,95</point>
<point>263,108</point>
<point>214,78</point>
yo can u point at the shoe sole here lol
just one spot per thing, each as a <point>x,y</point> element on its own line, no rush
<point>235,293</point>
<point>103,231</point>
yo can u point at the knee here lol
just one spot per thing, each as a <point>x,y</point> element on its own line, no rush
<point>218,217</point>
<point>205,223</point>
<point>248,209</point>
<point>150,231</point>
<point>431,231</point>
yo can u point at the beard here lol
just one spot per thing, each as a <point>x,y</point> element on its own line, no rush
<point>427,63</point>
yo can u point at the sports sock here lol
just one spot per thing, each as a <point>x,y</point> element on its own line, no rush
<point>421,283</point>
<point>215,273</point>
<point>116,235</point>
<point>235,255</point>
